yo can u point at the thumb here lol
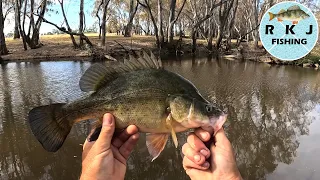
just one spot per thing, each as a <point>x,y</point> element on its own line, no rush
<point>107,130</point>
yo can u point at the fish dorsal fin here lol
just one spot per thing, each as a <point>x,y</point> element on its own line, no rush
<point>101,73</point>
<point>295,7</point>
<point>281,11</point>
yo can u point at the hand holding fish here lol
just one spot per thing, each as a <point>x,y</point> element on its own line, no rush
<point>106,158</point>
<point>221,165</point>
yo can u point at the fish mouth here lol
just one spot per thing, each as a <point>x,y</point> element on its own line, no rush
<point>215,123</point>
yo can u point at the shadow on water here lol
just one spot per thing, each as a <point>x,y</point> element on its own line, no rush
<point>269,110</point>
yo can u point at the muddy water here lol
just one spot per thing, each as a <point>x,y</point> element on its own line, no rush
<point>273,123</point>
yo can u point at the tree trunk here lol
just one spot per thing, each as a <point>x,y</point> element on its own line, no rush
<point>160,23</point>
<point>20,27</point>
<point>194,40</point>
<point>99,19</point>
<point>75,45</point>
<point>132,13</point>
<point>171,20</point>
<point>148,24</point>
<point>198,22</point>
<point>224,11</point>
<point>256,21</point>
<point>33,41</point>
<point>103,23</point>
<point>81,17</point>
<point>153,22</point>
<point>16,34</point>
<point>210,35</point>
<point>3,47</point>
<point>231,24</point>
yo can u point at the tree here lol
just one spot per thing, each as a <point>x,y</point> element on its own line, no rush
<point>224,11</point>
<point>173,19</point>
<point>3,46</point>
<point>160,23</point>
<point>146,5</point>
<point>132,12</point>
<point>75,45</point>
<point>103,23</point>
<point>197,22</point>
<point>81,18</point>
<point>17,12</point>
<point>31,37</point>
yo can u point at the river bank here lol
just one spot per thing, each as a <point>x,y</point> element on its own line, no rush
<point>59,47</point>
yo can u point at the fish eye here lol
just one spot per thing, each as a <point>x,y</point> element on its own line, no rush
<point>208,108</point>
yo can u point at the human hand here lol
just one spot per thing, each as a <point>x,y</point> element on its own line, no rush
<point>221,164</point>
<point>107,157</point>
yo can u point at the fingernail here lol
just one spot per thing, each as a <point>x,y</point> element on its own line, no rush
<point>206,164</point>
<point>107,120</point>
<point>197,158</point>
<point>204,152</point>
<point>204,135</point>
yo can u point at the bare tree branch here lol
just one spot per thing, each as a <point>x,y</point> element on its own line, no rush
<point>66,31</point>
<point>7,12</point>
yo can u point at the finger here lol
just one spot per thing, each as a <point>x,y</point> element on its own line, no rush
<point>221,138</point>
<point>117,155</point>
<point>86,148</point>
<point>108,126</point>
<point>87,145</point>
<point>193,155</point>
<point>198,145</point>
<point>187,164</point>
<point>194,173</point>
<point>127,147</point>
<point>124,136</point>
<point>202,134</point>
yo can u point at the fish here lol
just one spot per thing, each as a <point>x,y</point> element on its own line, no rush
<point>293,13</point>
<point>137,91</point>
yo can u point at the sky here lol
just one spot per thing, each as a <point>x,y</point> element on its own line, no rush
<point>72,12</point>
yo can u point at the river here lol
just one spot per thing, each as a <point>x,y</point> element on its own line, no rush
<point>273,120</point>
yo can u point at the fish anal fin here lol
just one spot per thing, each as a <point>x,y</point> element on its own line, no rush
<point>295,7</point>
<point>295,22</point>
<point>280,20</point>
<point>155,143</point>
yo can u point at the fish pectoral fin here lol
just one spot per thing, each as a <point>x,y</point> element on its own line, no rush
<point>279,19</point>
<point>173,133</point>
<point>155,143</point>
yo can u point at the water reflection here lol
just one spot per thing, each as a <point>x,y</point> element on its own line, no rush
<point>269,111</point>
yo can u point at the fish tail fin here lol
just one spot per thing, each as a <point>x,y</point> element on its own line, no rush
<point>271,16</point>
<point>49,125</point>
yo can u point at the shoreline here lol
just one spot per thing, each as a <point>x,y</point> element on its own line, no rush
<point>59,48</point>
